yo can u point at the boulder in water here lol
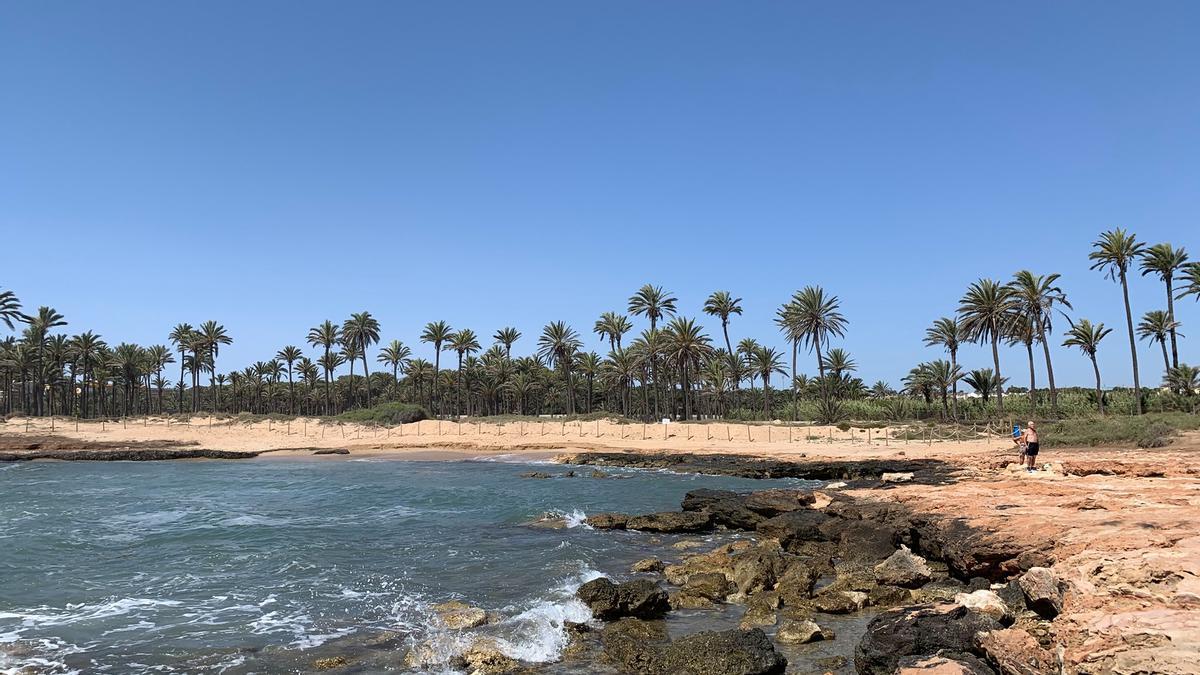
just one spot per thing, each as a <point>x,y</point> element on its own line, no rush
<point>648,565</point>
<point>458,615</point>
<point>640,598</point>
<point>607,521</point>
<point>636,646</point>
<point>535,474</point>
<point>803,631</point>
<point>671,521</point>
<point>485,658</point>
<point>730,652</point>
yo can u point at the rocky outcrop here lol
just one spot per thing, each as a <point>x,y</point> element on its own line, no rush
<point>647,565</point>
<point>1015,652</point>
<point>671,521</point>
<point>1043,592</point>
<point>918,631</point>
<point>749,467</point>
<point>640,598</point>
<point>457,615</point>
<point>484,657</point>
<point>988,603</point>
<point>731,652</point>
<point>771,503</point>
<point>961,664</point>
<point>535,474</point>
<point>794,528</point>
<point>607,521</point>
<point>635,646</point>
<point>903,569</point>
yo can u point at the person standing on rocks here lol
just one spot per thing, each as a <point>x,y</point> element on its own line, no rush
<point>1029,445</point>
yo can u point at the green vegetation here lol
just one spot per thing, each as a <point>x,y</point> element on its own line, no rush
<point>673,367</point>
<point>1151,430</point>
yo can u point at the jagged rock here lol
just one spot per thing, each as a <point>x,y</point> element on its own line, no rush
<point>888,596</point>
<point>801,632</point>
<point>648,565</point>
<point>794,527</point>
<point>535,474</point>
<point>1043,591</point>
<point>485,658</point>
<point>939,590</point>
<point>757,569</point>
<point>839,602</point>
<point>731,652</point>
<point>704,498</point>
<point>903,569</point>
<point>863,541</point>
<point>671,521</point>
<point>597,473</point>
<point>796,583</point>
<point>771,503</point>
<point>920,630</point>
<point>687,545</point>
<point>639,598</point>
<point>1014,652</point>
<point>607,521</point>
<point>331,663</point>
<point>634,645</point>
<point>685,600</point>
<point>962,664</point>
<point>710,585</point>
<point>457,615</point>
<point>760,610</point>
<point>986,602</point>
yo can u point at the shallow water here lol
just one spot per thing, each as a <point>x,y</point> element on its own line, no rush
<point>266,565</point>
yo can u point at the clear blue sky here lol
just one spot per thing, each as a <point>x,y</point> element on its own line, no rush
<point>274,164</point>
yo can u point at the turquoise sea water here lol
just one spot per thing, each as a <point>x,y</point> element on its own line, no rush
<point>265,565</point>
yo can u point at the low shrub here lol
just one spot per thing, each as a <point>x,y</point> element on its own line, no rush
<point>386,413</point>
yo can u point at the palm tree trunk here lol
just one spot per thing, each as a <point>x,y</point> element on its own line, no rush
<point>1099,392</point>
<point>1166,362</point>
<point>366,374</point>
<point>1171,316</point>
<point>725,330</point>
<point>999,377</point>
<point>954,384</point>
<point>1032,378</point>
<point>1041,328</point>
<point>350,401</point>
<point>1137,382</point>
<point>795,391</point>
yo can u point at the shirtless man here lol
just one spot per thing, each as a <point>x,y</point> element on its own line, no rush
<point>1029,445</point>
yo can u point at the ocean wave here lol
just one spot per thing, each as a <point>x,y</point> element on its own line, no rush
<point>78,613</point>
<point>537,633</point>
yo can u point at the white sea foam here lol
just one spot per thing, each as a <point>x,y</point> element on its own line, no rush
<point>77,613</point>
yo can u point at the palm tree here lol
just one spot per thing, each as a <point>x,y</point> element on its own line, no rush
<point>1114,252</point>
<point>160,356</point>
<point>362,330</point>
<point>943,376</point>
<point>652,302</point>
<point>722,304</point>
<point>788,321</point>
<point>985,312</point>
<point>623,365</point>
<point>395,355</point>
<point>1165,260</point>
<point>39,330</point>
<point>289,355</point>
<point>612,326</point>
<point>436,333</point>
<point>330,361</point>
<point>88,349</point>
<point>588,364</point>
<point>214,336</point>
<point>1191,281</point>
<point>463,343</point>
<point>10,309</point>
<point>983,381</point>
<point>326,335</point>
<point>507,336</point>
<point>838,361</point>
<point>1087,338</point>
<point>817,318</point>
<point>558,343</point>
<point>1184,379</point>
<point>686,344</point>
<point>767,361</point>
<point>1157,326</point>
<point>1038,295</point>
<point>1021,331</point>
<point>947,333</point>
<point>182,336</point>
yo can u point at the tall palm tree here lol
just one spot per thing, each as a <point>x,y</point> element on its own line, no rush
<point>558,343</point>
<point>160,356</point>
<point>686,344</point>
<point>1113,253</point>
<point>436,333</point>
<point>838,362</point>
<point>722,304</point>
<point>1157,326</point>
<point>1191,281</point>
<point>947,332</point>
<point>612,326</point>
<point>362,330</point>
<point>1038,296</point>
<point>589,365</point>
<point>10,309</point>
<point>507,336</point>
<point>325,335</point>
<point>39,330</point>
<point>787,318</point>
<point>652,302</point>
<point>1165,260</point>
<point>818,318</point>
<point>214,336</point>
<point>943,375</point>
<point>985,312</point>
<point>1087,337</point>
<point>463,343</point>
<point>289,355</point>
<point>330,361</point>
<point>1022,332</point>
<point>182,336</point>
<point>767,361</point>
<point>395,355</point>
<point>88,349</point>
<point>1184,379</point>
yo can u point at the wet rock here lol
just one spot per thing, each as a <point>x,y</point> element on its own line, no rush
<point>705,498</point>
<point>888,596</point>
<point>760,610</point>
<point>607,521</point>
<point>671,521</point>
<point>684,600</point>
<point>831,663</point>
<point>918,631</point>
<point>802,632</point>
<point>756,569</point>
<point>771,503</point>
<point>640,598</point>
<point>903,569</point>
<point>839,602</point>
<point>569,474</point>
<point>1043,591</point>
<point>646,565</point>
<point>634,645</point>
<point>794,527</point>
<point>485,658</point>
<point>731,652</point>
<point>796,583</point>
<point>548,521</point>
<point>331,663</point>
<point>458,615</point>
<point>1015,652</point>
<point>687,545</point>
<point>733,515</point>
<point>597,473</point>
<point>710,585</point>
<point>961,664</point>
<point>535,474</point>
<point>331,451</point>
<point>987,603</point>
<point>864,542</point>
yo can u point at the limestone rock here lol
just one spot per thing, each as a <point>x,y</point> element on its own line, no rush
<point>731,652</point>
<point>962,664</point>
<point>839,602</point>
<point>801,632</point>
<point>903,569</point>
<point>771,503</point>
<point>671,521</point>
<point>639,598</point>
<point>986,602</point>
<point>607,521</point>
<point>457,615</point>
<point>1014,652</point>
<point>794,527</point>
<point>634,645</point>
<point>485,658</point>
<point>1043,591</point>
<point>648,565</point>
